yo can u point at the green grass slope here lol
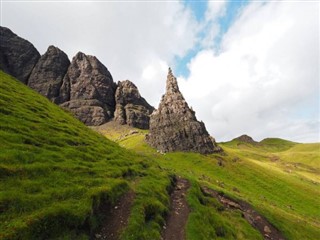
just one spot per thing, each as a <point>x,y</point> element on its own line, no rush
<point>55,173</point>
<point>263,175</point>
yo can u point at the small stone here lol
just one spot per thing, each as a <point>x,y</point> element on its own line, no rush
<point>266,229</point>
<point>97,235</point>
<point>258,218</point>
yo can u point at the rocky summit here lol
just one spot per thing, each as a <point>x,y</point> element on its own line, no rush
<point>174,126</point>
<point>88,90</point>
<point>246,139</point>
<point>131,108</point>
<point>17,55</point>
<point>48,73</point>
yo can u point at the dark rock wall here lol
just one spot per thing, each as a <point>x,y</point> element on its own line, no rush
<point>17,55</point>
<point>89,90</point>
<point>84,86</point>
<point>48,73</point>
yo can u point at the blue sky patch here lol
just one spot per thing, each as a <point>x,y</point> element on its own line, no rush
<point>233,9</point>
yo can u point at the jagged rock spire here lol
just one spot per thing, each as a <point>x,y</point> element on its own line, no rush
<point>172,84</point>
<point>174,126</point>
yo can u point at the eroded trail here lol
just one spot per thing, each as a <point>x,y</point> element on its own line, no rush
<point>256,220</point>
<point>174,228</point>
<point>116,218</point>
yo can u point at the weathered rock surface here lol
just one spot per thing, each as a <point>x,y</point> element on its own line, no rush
<point>246,139</point>
<point>174,127</point>
<point>17,55</point>
<point>131,108</point>
<point>88,90</point>
<point>47,75</point>
<point>84,86</point>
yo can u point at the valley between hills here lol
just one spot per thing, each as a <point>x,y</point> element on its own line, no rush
<point>82,162</point>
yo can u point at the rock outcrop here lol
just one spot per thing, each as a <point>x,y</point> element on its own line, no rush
<point>174,127</point>
<point>88,90</point>
<point>246,139</point>
<point>84,86</point>
<point>48,73</point>
<point>131,108</point>
<point>17,55</point>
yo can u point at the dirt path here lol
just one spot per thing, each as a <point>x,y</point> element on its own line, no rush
<point>174,229</point>
<point>256,220</point>
<point>116,218</point>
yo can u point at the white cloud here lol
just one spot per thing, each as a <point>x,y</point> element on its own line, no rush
<point>128,37</point>
<point>269,62</point>
<point>210,26</point>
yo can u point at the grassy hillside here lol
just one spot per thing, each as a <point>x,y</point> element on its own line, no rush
<point>278,177</point>
<point>55,173</point>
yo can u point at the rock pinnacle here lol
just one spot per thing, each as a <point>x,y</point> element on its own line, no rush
<point>174,126</point>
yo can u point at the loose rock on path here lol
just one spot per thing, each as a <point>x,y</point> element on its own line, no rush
<point>268,231</point>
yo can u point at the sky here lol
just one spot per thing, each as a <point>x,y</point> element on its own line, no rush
<point>245,67</point>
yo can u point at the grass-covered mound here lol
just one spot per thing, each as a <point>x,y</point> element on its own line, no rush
<point>55,172</point>
<point>279,178</point>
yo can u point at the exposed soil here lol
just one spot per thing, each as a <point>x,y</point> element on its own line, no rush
<point>116,218</point>
<point>256,220</point>
<point>174,228</point>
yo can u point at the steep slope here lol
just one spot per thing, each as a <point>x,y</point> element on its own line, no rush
<point>174,126</point>
<point>56,174</point>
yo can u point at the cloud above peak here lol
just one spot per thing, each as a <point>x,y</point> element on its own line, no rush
<point>267,64</point>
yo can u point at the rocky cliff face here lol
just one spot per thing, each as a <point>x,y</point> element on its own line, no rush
<point>48,73</point>
<point>84,86</point>
<point>131,108</point>
<point>17,55</point>
<point>174,127</point>
<point>88,90</point>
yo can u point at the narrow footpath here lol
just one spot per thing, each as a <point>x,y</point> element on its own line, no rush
<point>116,218</point>
<point>174,228</point>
